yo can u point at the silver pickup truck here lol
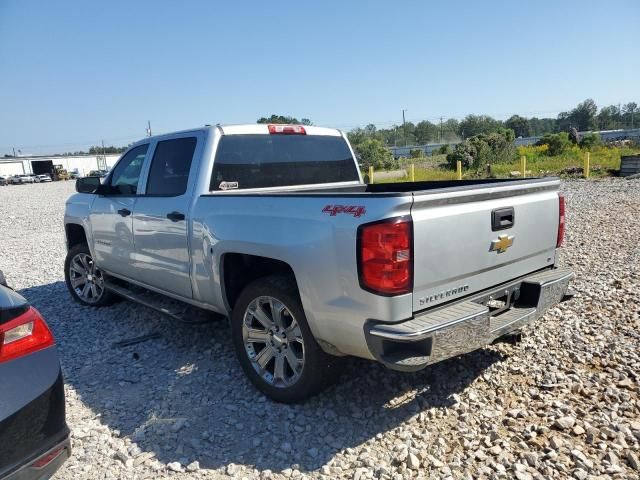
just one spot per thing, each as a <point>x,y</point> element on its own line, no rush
<point>273,227</point>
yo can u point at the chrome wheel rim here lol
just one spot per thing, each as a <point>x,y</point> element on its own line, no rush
<point>273,341</point>
<point>86,280</point>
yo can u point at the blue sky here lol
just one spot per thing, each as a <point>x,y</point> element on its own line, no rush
<point>75,72</point>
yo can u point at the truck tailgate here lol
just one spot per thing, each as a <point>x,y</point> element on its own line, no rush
<point>472,239</point>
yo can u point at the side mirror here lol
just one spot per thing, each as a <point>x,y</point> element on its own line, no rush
<point>88,184</point>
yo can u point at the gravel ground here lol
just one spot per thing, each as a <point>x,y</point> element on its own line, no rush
<point>563,403</point>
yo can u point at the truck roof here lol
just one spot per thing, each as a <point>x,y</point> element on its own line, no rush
<point>244,129</point>
<point>263,128</point>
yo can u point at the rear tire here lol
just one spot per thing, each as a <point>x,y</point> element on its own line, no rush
<point>274,344</point>
<point>85,281</point>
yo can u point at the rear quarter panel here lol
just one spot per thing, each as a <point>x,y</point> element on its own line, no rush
<point>320,248</point>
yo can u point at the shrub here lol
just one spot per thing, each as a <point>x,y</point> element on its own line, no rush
<point>590,140</point>
<point>372,152</point>
<point>444,149</point>
<point>533,151</point>
<point>481,150</point>
<point>557,143</point>
<point>464,152</point>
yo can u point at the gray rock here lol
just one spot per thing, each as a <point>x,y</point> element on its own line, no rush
<point>564,423</point>
<point>413,462</point>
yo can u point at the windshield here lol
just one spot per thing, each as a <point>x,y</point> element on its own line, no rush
<point>259,161</point>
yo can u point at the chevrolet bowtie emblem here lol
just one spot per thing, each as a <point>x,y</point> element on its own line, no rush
<point>502,243</point>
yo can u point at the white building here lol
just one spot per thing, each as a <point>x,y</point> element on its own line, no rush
<point>81,164</point>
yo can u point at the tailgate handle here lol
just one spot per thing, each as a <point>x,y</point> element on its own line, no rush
<point>502,218</point>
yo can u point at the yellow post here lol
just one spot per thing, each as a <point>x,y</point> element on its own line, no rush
<point>370,173</point>
<point>523,166</point>
<point>459,169</point>
<point>413,173</point>
<point>587,167</point>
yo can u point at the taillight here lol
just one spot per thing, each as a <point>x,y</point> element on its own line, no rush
<point>47,458</point>
<point>23,335</point>
<point>385,256</point>
<point>287,129</point>
<point>560,220</point>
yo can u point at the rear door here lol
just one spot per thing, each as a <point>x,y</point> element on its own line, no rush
<point>161,215</point>
<point>472,239</point>
<point>111,214</point>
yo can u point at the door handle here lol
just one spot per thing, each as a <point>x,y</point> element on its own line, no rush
<point>502,218</point>
<point>175,216</point>
<point>124,212</point>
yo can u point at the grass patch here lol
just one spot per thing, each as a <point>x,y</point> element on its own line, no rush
<point>603,161</point>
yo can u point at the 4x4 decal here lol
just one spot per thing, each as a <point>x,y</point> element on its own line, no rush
<point>355,210</point>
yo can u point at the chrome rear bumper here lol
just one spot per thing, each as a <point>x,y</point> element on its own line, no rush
<point>466,325</point>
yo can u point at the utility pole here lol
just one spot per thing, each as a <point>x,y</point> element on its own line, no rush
<point>148,128</point>
<point>102,147</point>
<point>440,129</point>
<point>14,148</point>
<point>404,128</point>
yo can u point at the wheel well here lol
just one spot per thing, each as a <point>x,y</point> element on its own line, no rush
<point>75,235</point>
<point>240,269</point>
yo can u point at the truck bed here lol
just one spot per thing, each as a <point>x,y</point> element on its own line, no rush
<point>399,188</point>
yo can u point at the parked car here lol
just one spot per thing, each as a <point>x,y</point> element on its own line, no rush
<point>42,178</point>
<point>34,437</point>
<point>98,173</point>
<point>22,179</point>
<point>272,226</point>
<point>3,181</point>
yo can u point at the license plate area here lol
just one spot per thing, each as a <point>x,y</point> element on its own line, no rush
<point>500,301</point>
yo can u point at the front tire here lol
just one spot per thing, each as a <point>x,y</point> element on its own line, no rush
<point>85,281</point>
<point>274,343</point>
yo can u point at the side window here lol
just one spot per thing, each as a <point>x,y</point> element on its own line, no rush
<point>125,176</point>
<point>170,167</point>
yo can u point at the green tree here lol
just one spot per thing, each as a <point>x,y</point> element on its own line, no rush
<point>450,129</point>
<point>540,126</point>
<point>283,119</point>
<point>631,115</point>
<point>356,136</point>
<point>583,117</point>
<point>519,125</point>
<point>426,132</point>
<point>372,152</point>
<point>478,124</point>
<point>609,118</point>
<point>370,130</point>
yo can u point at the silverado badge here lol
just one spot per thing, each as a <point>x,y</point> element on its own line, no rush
<point>502,243</point>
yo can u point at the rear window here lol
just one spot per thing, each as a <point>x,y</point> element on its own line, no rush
<point>259,161</point>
